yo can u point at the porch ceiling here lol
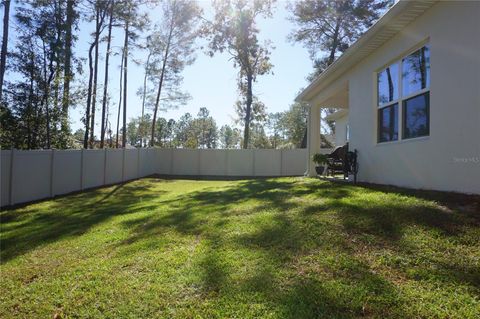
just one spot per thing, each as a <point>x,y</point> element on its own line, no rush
<point>336,96</point>
<point>338,114</point>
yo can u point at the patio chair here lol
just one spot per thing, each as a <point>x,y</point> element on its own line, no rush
<point>337,160</point>
<point>342,161</point>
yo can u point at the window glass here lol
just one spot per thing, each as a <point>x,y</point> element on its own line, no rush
<point>416,71</point>
<point>416,116</point>
<point>388,123</point>
<point>387,84</point>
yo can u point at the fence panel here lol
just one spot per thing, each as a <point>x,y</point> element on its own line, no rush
<point>67,171</point>
<point>131,164</point>
<point>240,163</point>
<point>93,168</point>
<point>31,175</point>
<point>186,162</point>
<point>164,158</point>
<point>268,163</point>
<point>147,162</point>
<point>5,158</point>
<point>152,160</point>
<point>42,174</point>
<point>114,166</point>
<point>213,162</point>
<point>294,162</point>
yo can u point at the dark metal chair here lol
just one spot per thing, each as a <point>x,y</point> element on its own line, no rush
<point>341,161</point>
<point>336,161</point>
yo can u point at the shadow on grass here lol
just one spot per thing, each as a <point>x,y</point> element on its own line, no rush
<point>47,222</point>
<point>356,293</point>
<point>383,214</point>
<point>360,209</point>
<point>295,225</point>
<point>448,199</point>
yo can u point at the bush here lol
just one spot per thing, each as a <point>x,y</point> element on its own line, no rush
<point>320,159</point>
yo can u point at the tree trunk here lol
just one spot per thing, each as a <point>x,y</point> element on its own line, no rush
<point>162,77</point>
<point>30,105</point>
<point>89,96</point>
<point>159,92</point>
<point>43,102</point>
<point>145,93</point>
<point>303,142</point>
<point>60,140</point>
<point>37,113</point>
<point>68,62</point>
<point>333,50</point>
<point>47,112</point>
<point>423,70</point>
<point>110,135</point>
<point>246,132</point>
<point>3,59</point>
<point>46,92</point>
<point>125,64</point>
<point>120,98</point>
<point>105,82</point>
<point>390,85</point>
<point>95,78</point>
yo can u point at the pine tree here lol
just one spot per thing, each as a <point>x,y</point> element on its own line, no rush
<point>71,17</point>
<point>103,125</point>
<point>98,15</point>
<point>233,30</point>
<point>172,49</point>
<point>328,27</point>
<point>3,59</point>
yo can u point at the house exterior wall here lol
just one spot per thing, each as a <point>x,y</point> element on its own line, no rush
<point>449,158</point>
<point>341,130</point>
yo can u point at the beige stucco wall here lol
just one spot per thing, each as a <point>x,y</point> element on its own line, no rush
<point>341,130</point>
<point>449,159</point>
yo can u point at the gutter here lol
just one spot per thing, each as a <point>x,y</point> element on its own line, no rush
<point>342,63</point>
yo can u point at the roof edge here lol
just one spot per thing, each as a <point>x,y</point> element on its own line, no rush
<point>383,21</point>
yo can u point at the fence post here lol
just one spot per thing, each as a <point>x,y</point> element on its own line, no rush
<point>11,181</point>
<point>253,162</point>
<point>199,162</point>
<point>105,167</point>
<point>156,164</point>
<point>281,162</point>
<point>123,165</point>
<point>52,165</point>
<point>226,162</point>
<point>171,160</point>
<point>138,162</point>
<point>81,169</point>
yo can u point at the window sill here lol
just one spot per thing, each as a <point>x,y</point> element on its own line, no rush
<point>408,140</point>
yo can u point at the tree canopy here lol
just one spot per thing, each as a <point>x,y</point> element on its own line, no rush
<point>63,53</point>
<point>234,30</point>
<point>328,27</point>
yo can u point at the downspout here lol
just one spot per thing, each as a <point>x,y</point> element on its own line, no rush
<point>309,140</point>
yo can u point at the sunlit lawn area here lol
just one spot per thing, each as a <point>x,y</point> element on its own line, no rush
<point>268,248</point>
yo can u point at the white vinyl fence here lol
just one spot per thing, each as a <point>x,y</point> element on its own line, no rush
<point>32,175</point>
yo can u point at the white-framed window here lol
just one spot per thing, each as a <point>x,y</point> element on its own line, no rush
<point>403,97</point>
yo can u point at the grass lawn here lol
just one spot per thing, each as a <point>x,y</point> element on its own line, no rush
<point>268,248</point>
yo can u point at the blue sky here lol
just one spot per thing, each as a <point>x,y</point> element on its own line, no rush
<point>210,81</point>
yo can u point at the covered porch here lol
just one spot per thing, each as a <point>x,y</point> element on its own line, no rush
<point>320,97</point>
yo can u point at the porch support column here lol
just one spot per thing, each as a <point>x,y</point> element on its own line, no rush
<point>313,138</point>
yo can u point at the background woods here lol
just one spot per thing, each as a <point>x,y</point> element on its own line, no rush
<point>58,57</point>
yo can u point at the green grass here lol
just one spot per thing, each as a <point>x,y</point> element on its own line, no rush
<point>268,248</point>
